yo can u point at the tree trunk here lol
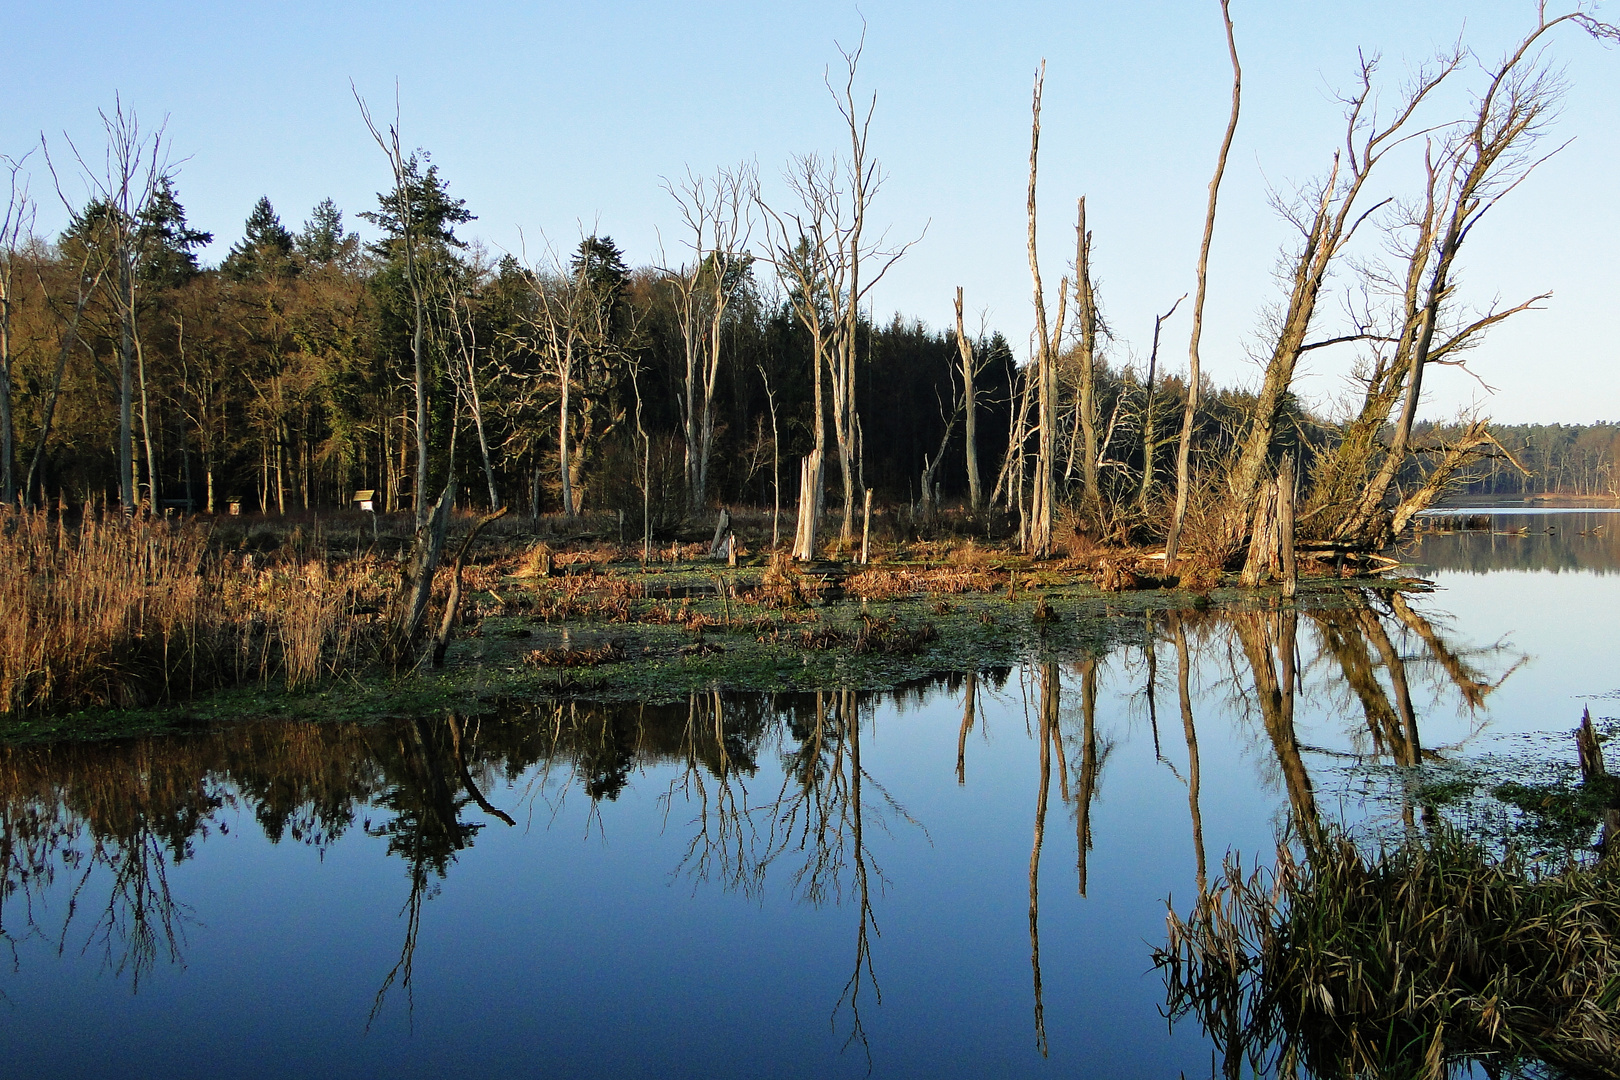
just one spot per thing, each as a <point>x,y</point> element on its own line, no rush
<point>129,492</point>
<point>1190,410</point>
<point>565,378</point>
<point>970,404</point>
<point>1086,398</point>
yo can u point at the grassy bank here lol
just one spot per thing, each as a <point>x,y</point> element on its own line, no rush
<point>118,624</point>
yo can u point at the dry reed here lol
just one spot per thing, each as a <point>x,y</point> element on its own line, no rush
<point>125,612</point>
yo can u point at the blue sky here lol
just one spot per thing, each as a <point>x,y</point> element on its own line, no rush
<point>552,118</point>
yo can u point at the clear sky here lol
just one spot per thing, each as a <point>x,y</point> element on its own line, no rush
<point>550,118</point>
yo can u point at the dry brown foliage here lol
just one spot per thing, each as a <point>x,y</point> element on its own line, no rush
<point>606,653</point>
<point>120,611</point>
<point>882,583</point>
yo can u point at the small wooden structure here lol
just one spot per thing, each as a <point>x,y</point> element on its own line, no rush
<point>367,499</point>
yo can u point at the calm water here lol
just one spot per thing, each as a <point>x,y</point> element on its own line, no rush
<point>964,879</point>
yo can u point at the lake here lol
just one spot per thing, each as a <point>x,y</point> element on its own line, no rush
<point>966,877</point>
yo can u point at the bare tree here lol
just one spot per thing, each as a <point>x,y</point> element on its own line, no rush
<point>16,224</point>
<point>402,168</point>
<point>134,168</point>
<point>1085,310</point>
<point>584,353</point>
<point>716,213</point>
<point>1194,373</point>
<point>776,462</point>
<point>1469,168</point>
<point>1327,214</point>
<point>465,369</point>
<point>86,281</point>
<point>1149,446</point>
<point>1043,362</point>
<point>970,369</point>
<point>819,252</point>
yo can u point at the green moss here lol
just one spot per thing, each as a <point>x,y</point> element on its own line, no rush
<point>745,647</point>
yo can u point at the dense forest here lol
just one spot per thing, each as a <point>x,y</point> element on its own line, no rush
<point>275,378</point>
<point>309,365</point>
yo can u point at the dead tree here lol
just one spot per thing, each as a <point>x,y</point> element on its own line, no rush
<point>15,225</point>
<point>970,410</point>
<point>1327,215</point>
<point>1189,412</point>
<point>136,167</point>
<point>776,462</point>
<point>1043,362</point>
<point>465,374</point>
<point>1085,311</point>
<point>402,168</point>
<point>716,214</point>
<point>86,281</point>
<point>1469,168</point>
<point>829,264</point>
<point>1149,447</point>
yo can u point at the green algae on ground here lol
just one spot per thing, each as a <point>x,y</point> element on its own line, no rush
<point>726,644</point>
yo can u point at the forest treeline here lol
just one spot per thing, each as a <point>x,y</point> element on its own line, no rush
<point>309,365</point>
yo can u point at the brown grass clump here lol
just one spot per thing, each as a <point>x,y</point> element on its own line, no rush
<point>104,614</point>
<point>882,583</point>
<point>125,612</point>
<point>539,561</point>
<point>1075,533</point>
<point>606,653</point>
<point>1197,574</point>
<point>968,554</point>
<point>875,635</point>
<point>1114,576</point>
<point>784,586</point>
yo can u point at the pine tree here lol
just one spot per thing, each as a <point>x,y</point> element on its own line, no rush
<point>164,240</point>
<point>265,249</point>
<point>323,239</point>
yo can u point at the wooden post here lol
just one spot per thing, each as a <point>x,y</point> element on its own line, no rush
<point>866,526</point>
<point>1285,526</point>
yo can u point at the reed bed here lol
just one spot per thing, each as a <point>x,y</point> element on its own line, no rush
<point>1403,964</point>
<point>122,612</point>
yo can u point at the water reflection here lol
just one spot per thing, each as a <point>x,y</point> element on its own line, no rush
<point>1554,540</point>
<point>756,788</point>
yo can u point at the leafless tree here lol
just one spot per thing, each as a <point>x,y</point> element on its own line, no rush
<point>819,252</point>
<point>399,164</point>
<point>573,330</point>
<point>1194,372</point>
<point>1327,213</point>
<point>716,213</point>
<point>1469,167</point>
<point>467,368</point>
<point>16,225</point>
<point>86,281</point>
<point>1043,361</point>
<point>136,165</point>
<point>1149,446</point>
<point>970,407</point>
<point>1089,323</point>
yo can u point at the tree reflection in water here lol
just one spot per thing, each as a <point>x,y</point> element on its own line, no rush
<point>116,817</point>
<point>1210,975</point>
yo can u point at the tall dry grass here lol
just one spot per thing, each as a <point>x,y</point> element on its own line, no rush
<point>124,612</point>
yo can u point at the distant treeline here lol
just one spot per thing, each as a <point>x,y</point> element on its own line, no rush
<point>1561,459</point>
<point>281,377</point>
